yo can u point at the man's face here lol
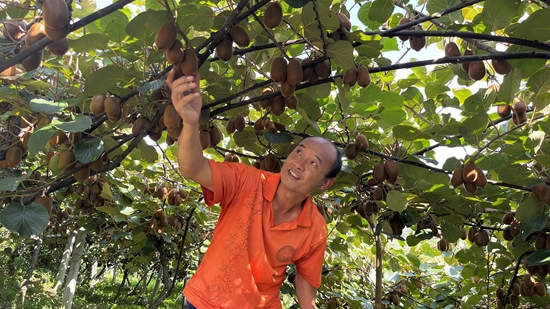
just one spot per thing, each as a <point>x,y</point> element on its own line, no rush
<point>305,168</point>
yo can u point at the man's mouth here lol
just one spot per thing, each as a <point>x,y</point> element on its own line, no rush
<point>291,173</point>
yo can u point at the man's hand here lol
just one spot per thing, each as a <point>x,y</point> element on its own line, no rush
<point>186,97</point>
<point>305,292</point>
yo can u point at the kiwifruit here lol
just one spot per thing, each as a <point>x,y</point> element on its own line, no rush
<point>463,234</point>
<point>140,125</point>
<point>270,161</point>
<point>97,104</point>
<point>417,42</point>
<point>476,70</point>
<point>502,67</point>
<point>351,151</point>
<point>55,13</point>
<point>515,288</point>
<point>57,34</point>
<point>507,235</point>
<point>97,165</point>
<point>508,217</point>
<point>112,107</point>
<point>479,239</point>
<point>391,179</point>
<point>379,173</point>
<point>278,106</point>
<point>332,303</point>
<point>313,77</point>
<point>503,111</point>
<point>378,194</point>
<point>230,126</point>
<point>540,289</point>
<point>344,21</point>
<point>452,50</point>
<point>481,180</point>
<point>471,233</point>
<point>397,229</point>
<point>363,77</point>
<point>35,33</point>
<point>466,64</point>
<point>540,242</point>
<point>306,72</point>
<point>265,103</point>
<point>469,172</point>
<point>519,118</point>
<point>190,64</point>
<point>535,190</point>
<point>278,69</point>
<point>166,36</point>
<point>291,101</point>
<point>59,47</point>
<point>171,118</point>
<point>519,106</point>
<point>58,138</point>
<point>514,301</point>
<point>33,61</point>
<point>528,281</point>
<point>541,271</point>
<point>322,69</point>
<point>362,142</point>
<point>402,21</point>
<point>175,54</point>
<point>391,168</point>
<point>215,136</point>
<point>350,77</point>
<point>45,201</point>
<point>273,15</point>
<point>224,50</point>
<point>13,156</point>
<point>271,127</point>
<point>204,137</point>
<point>11,71</point>
<point>239,36</point>
<point>443,245</point>
<point>294,73</point>
<point>83,173</point>
<point>515,228</point>
<point>174,132</point>
<point>155,136</point>
<point>287,89</point>
<point>470,187</point>
<point>456,179</point>
<point>170,140</point>
<point>12,30</point>
<point>228,157</point>
<point>240,122</point>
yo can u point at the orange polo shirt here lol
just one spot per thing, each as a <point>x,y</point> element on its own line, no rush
<point>245,265</point>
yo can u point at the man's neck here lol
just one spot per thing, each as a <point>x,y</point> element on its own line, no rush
<point>287,205</point>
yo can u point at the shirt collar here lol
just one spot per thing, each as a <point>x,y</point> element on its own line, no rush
<point>271,183</point>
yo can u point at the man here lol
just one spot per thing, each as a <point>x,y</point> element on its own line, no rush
<point>267,221</point>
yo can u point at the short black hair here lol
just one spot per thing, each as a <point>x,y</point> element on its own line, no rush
<point>337,164</point>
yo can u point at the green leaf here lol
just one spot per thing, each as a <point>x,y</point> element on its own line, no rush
<point>138,29</point>
<point>90,42</point>
<point>342,53</point>
<point>278,138</point>
<point>36,85</point>
<point>393,117</point>
<point>433,89</point>
<point>47,107</point>
<point>115,26</point>
<point>40,138</point>
<point>25,220</point>
<point>105,79</point>
<point>369,49</point>
<point>536,223</point>
<point>79,124</point>
<point>106,192</point>
<point>498,14</point>
<point>297,3</point>
<point>108,210</point>
<point>510,85</point>
<point>148,153</point>
<point>535,27</point>
<point>88,151</point>
<point>528,209</point>
<point>391,100</point>
<point>245,138</point>
<point>381,10</point>
<point>435,6</point>
<point>396,201</point>
<point>450,232</point>
<point>308,119</point>
<point>11,183</point>
<point>539,83</point>
<point>187,16</point>
<point>475,124</point>
<point>363,15</point>
<point>539,257</point>
<point>543,159</point>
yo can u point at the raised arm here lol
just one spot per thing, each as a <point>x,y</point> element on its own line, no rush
<point>187,102</point>
<point>305,292</point>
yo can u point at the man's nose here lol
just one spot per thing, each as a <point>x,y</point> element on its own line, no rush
<point>299,165</point>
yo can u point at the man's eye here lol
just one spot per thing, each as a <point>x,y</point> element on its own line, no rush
<point>313,163</point>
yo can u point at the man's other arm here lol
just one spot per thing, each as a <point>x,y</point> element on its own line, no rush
<point>305,292</point>
<point>188,103</point>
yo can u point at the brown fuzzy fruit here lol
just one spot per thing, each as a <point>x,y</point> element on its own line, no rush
<point>97,104</point>
<point>378,194</point>
<point>350,77</point>
<point>535,190</point>
<point>469,172</point>
<point>540,242</point>
<point>540,289</point>
<point>456,179</point>
<point>518,118</point>
<point>175,54</point>
<point>294,73</point>
<point>470,187</point>
<point>362,142</point>
<point>344,21</point>
<point>215,136</point>
<point>306,71</point>
<point>519,106</point>
<point>265,103</point>
<point>291,101</point>
<point>58,138</point>
<point>57,34</point>
<point>166,36</point>
<point>391,168</point>
<point>12,30</point>
<point>14,156</point>
<point>45,201</point>
<point>239,36</point>
<point>171,118</point>
<point>11,71</point>
<point>322,69</point>
<point>287,89</point>
<point>443,245</point>
<point>363,77</point>
<point>59,47</point>
<point>140,125</point>
<point>230,126</point>
<point>273,15</point>
<point>471,233</point>
<point>507,235</point>
<point>528,281</point>
<point>240,122</point>
<point>204,137</point>
<point>66,160</point>
<point>417,42</point>
<point>379,173</point>
<point>33,61</point>
<point>481,180</point>
<point>112,107</point>
<point>451,50</point>
<point>515,228</point>
<point>503,111</point>
<point>270,161</point>
<point>351,151</point>
<point>402,21</point>
<point>508,218</point>
<point>514,301</point>
<point>278,69</point>
<point>465,65</point>
<point>83,173</point>
<point>476,70</point>
<point>463,234</point>
<point>55,13</point>
<point>97,165</point>
<point>278,106</point>
<point>502,67</point>
<point>515,288</point>
<point>224,50</point>
<point>190,63</point>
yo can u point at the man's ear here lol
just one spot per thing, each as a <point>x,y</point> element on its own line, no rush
<point>328,182</point>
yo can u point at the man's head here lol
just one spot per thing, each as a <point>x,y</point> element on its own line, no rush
<point>312,165</point>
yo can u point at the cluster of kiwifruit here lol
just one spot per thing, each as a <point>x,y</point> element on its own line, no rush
<point>63,215</point>
<point>387,171</point>
<point>46,201</point>
<point>14,30</point>
<point>172,121</point>
<point>333,303</point>
<point>393,296</point>
<point>175,196</point>
<point>100,104</point>
<point>365,208</point>
<point>416,42</point>
<point>183,59</point>
<point>269,163</point>
<point>478,236</point>
<point>91,194</point>
<point>469,175</point>
<point>476,69</point>
<point>397,223</point>
<point>231,157</point>
<point>157,223</point>
<point>443,245</point>
<point>519,111</point>
<point>360,76</point>
<point>341,32</point>
<point>237,34</point>
<point>273,15</point>
<point>528,287</point>
<point>542,192</point>
<point>360,144</point>
<point>236,123</point>
<point>210,137</point>
<point>175,223</point>
<point>288,75</point>
<point>264,123</point>
<point>427,224</point>
<point>510,232</point>
<point>278,103</point>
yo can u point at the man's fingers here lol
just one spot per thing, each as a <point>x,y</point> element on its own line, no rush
<point>170,77</point>
<point>197,81</point>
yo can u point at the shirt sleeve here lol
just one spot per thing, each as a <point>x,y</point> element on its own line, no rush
<point>311,266</point>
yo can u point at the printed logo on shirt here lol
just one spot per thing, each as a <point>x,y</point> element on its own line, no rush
<point>284,255</point>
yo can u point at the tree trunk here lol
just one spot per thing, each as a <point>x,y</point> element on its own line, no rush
<point>114,273</point>
<point>126,273</point>
<point>74,268</point>
<point>64,263</point>
<point>155,289</point>
<point>30,270</point>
